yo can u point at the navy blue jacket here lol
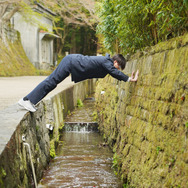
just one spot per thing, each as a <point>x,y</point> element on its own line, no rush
<point>86,67</point>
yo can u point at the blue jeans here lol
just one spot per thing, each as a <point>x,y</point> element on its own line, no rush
<point>57,76</point>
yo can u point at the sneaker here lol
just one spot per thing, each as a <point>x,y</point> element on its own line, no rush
<point>27,105</point>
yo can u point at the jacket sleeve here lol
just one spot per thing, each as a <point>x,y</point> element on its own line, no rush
<point>109,67</point>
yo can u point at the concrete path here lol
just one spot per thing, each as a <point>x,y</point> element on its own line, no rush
<point>14,88</point>
<point>11,90</point>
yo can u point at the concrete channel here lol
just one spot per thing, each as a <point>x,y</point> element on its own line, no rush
<point>83,158</point>
<point>27,142</point>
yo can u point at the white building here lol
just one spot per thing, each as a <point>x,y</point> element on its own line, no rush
<point>37,43</point>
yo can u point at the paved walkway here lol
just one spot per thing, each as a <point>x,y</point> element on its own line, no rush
<point>14,88</point>
<point>11,90</point>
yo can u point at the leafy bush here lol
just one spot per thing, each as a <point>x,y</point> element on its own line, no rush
<point>128,25</point>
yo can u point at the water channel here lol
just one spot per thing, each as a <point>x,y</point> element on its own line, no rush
<point>82,159</point>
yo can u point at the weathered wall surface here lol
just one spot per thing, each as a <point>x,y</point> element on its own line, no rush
<point>15,166</point>
<point>146,122</point>
<point>13,61</point>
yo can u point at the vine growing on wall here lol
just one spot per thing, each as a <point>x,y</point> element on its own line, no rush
<point>128,25</point>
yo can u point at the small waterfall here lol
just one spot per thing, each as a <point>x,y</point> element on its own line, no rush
<point>81,127</point>
<point>82,159</point>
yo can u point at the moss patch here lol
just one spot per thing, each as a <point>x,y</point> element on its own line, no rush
<point>52,149</point>
<point>14,62</point>
<point>146,122</point>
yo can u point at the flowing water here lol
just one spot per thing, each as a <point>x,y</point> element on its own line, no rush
<point>82,159</point>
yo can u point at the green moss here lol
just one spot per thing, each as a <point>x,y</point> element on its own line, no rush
<point>68,113</point>
<point>115,164</point>
<point>146,122</point>
<point>79,103</point>
<point>61,126</point>
<point>37,128</point>
<point>3,173</point>
<point>14,62</point>
<point>57,139</point>
<point>186,124</point>
<point>95,116</point>
<point>44,107</point>
<point>52,149</point>
<point>158,149</point>
<point>37,147</point>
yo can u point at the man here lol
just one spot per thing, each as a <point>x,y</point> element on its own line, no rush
<point>81,67</point>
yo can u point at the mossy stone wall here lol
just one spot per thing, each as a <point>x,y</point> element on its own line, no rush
<point>146,123</point>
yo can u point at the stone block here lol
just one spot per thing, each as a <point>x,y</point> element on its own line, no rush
<point>153,142</point>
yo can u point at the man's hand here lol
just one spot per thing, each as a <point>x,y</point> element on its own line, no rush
<point>134,78</point>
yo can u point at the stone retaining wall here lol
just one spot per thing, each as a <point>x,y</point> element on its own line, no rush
<point>146,122</point>
<point>15,166</point>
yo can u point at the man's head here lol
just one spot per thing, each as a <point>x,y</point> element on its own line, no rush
<point>119,61</point>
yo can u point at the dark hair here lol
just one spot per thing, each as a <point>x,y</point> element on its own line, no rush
<point>120,59</point>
